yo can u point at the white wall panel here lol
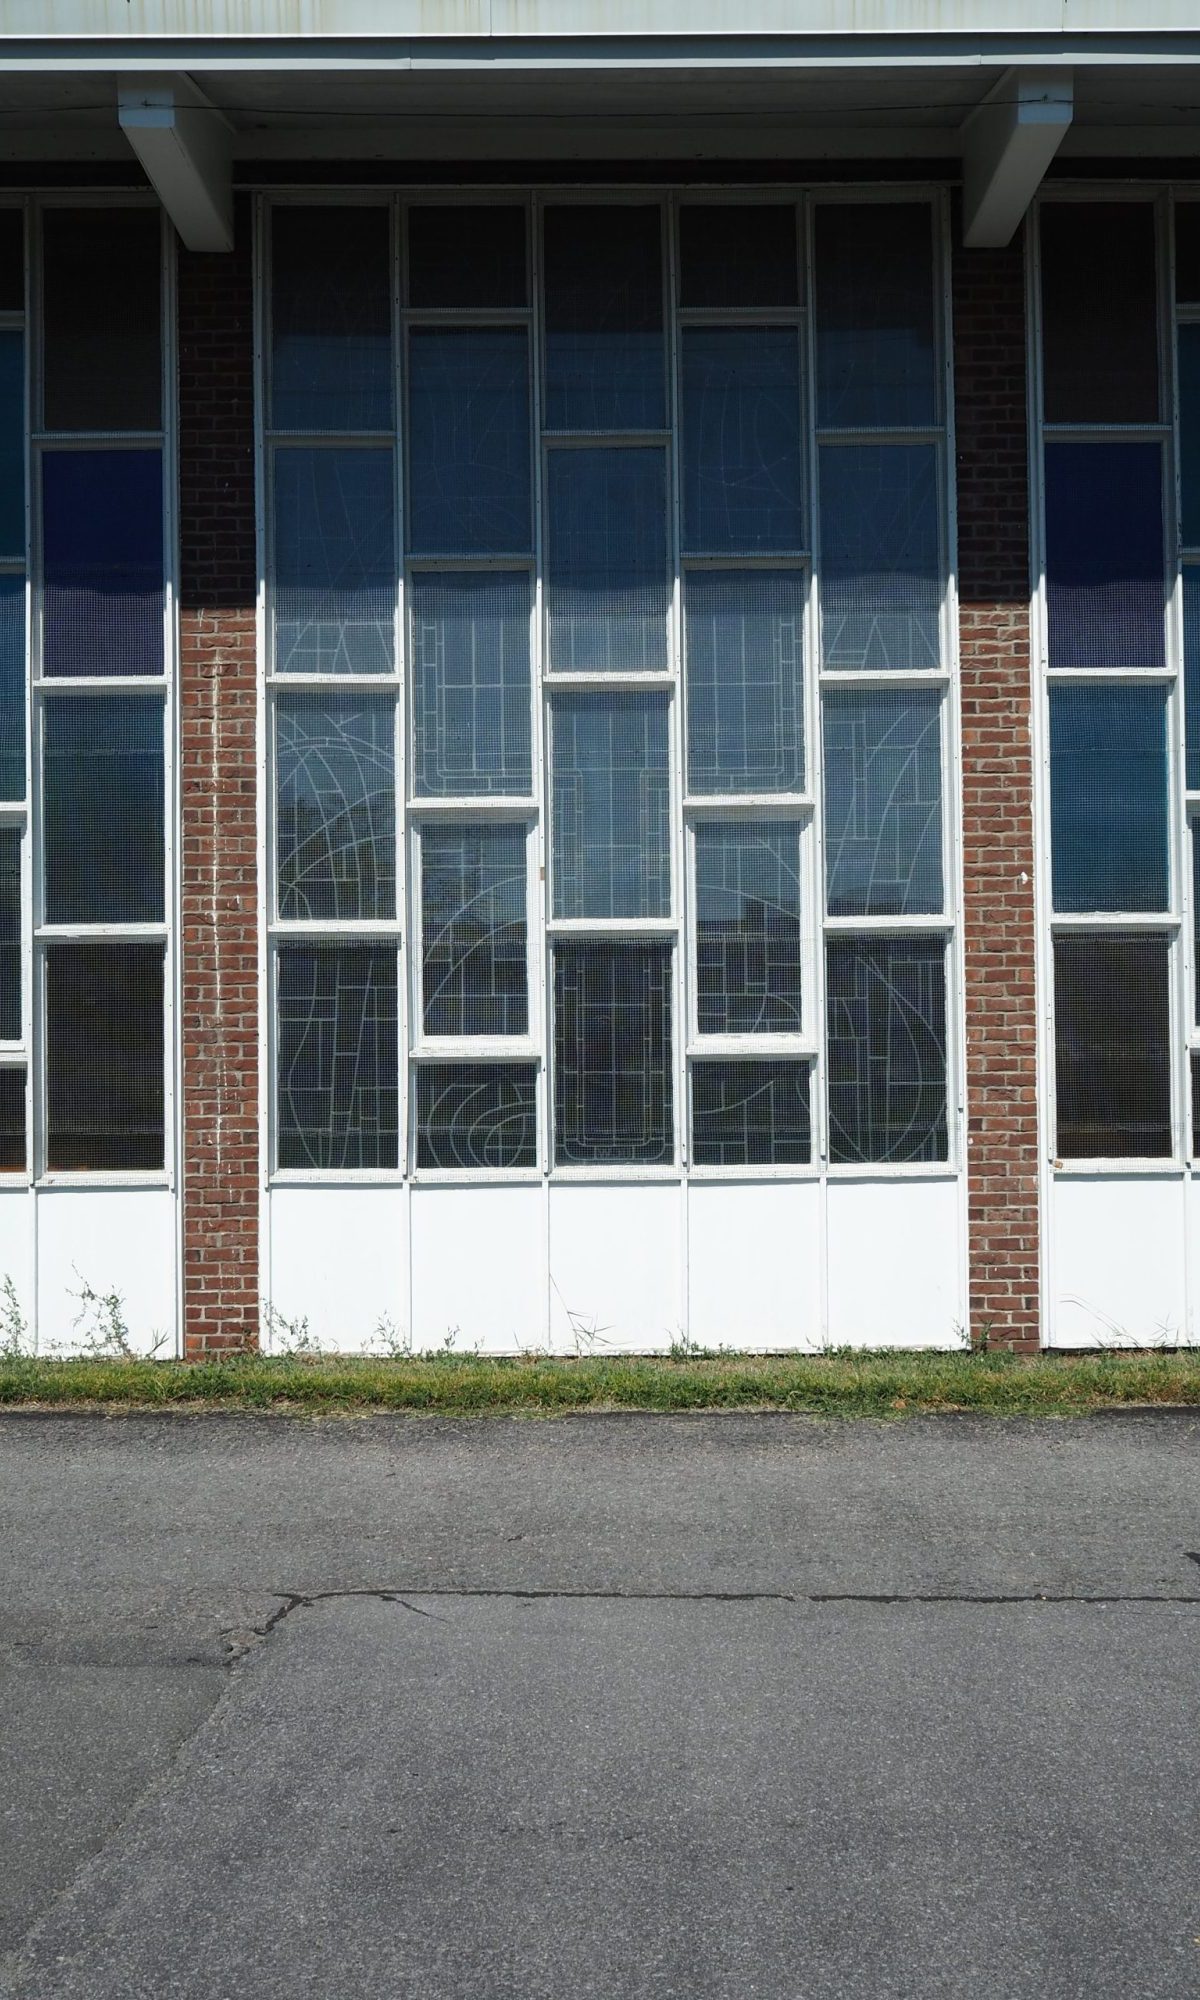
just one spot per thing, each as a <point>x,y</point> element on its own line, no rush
<point>338,1260</point>
<point>479,1267</point>
<point>754,1264</point>
<point>616,1267</point>
<point>16,1267</point>
<point>1117,1261</point>
<point>118,1242</point>
<point>895,1264</point>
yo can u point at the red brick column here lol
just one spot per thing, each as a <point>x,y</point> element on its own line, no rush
<point>998,917</point>
<point>218,799</point>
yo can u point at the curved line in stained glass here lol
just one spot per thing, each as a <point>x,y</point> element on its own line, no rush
<point>880,567</point>
<point>338,1056</point>
<point>335,560</point>
<point>886,1028</point>
<point>751,1114</point>
<point>612,1054</point>
<point>474,971</point>
<point>748,936</point>
<point>335,808</point>
<point>476,1117</point>
<point>883,801</point>
<point>744,650</point>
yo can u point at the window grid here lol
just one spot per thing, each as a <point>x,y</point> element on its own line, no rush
<point>689,807</point>
<point>1172,924</point>
<point>40,934</point>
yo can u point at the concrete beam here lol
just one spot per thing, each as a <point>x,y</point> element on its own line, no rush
<point>184,147</point>
<point>1008,143</point>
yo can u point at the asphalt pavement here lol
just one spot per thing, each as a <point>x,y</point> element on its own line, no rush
<point>611,1706</point>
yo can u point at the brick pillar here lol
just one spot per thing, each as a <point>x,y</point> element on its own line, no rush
<point>998,918</point>
<point>218,799</point>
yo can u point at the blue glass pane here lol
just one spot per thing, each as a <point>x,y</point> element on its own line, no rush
<point>883,801</point>
<point>335,562</point>
<point>604,318</point>
<point>1191,665</point>
<point>12,687</point>
<point>468,467</point>
<point>748,927</point>
<point>471,689</point>
<point>103,776</point>
<point>10,937</point>
<point>475,978</point>
<point>886,1027</point>
<point>611,806</point>
<point>607,595</point>
<point>476,1116</point>
<point>744,637</point>
<point>612,1055</point>
<point>880,569</point>
<point>735,254</point>
<point>1108,797</point>
<point>742,485</point>
<point>102,562</point>
<point>335,806</point>
<point>750,1114</point>
<point>331,319</point>
<point>1099,312</point>
<point>1104,555</point>
<point>338,1056</point>
<point>874,314</point>
<point>1189,434</point>
<point>12,445</point>
<point>101,315</point>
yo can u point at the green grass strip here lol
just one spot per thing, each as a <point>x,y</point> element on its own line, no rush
<point>882,1384</point>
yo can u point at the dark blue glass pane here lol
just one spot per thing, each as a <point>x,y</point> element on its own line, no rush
<point>466,255</point>
<point>331,319</point>
<point>335,561</point>
<point>1191,673</point>
<point>468,468</point>
<point>1112,1047</point>
<point>1099,312</point>
<point>734,254</point>
<point>104,809</point>
<point>471,692</point>
<point>104,1057</point>
<point>338,1056</point>
<point>742,486</point>
<point>607,595</point>
<point>12,687</point>
<point>1189,434</point>
<point>476,1116</point>
<point>880,572</point>
<point>12,445</point>
<point>10,934</point>
<point>12,1119</point>
<point>1104,555</point>
<point>101,318</point>
<point>874,314</point>
<point>102,562</point>
<point>604,319</point>
<point>1108,797</point>
<point>12,260</point>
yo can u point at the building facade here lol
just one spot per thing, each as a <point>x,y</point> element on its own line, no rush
<point>596,632</point>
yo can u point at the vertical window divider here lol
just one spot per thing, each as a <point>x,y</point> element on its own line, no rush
<point>814,773</point>
<point>406,945</point>
<point>682,902</point>
<point>1183,989</point>
<point>267,1094</point>
<point>951,722</point>
<point>540,724</point>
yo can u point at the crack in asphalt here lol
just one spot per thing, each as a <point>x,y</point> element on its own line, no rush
<point>306,1600</point>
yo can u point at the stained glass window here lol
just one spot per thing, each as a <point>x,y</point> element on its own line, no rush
<point>751,1114</point>
<point>748,927</point>
<point>605,351</point>
<point>740,442</point>
<point>338,1056</point>
<point>335,806</point>
<point>883,801</point>
<point>331,363</point>
<point>612,1054</point>
<point>744,651</point>
<point>475,1117</point>
<point>471,685</point>
<point>474,940</point>
<point>607,590</point>
<point>468,452</point>
<point>610,806</point>
<point>880,572</point>
<point>886,1026</point>
<point>874,317</point>
<point>335,561</point>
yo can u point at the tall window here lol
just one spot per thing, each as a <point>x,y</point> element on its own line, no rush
<point>1110,633</point>
<point>608,670</point>
<point>84,692</point>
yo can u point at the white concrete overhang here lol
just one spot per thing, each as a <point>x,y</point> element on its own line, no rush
<point>206,89</point>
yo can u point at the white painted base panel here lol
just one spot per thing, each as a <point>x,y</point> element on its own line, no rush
<point>616,1267</point>
<point>1120,1249</point>
<point>104,1269</point>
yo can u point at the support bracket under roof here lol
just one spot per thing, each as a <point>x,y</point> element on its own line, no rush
<point>184,146</point>
<point>1008,143</point>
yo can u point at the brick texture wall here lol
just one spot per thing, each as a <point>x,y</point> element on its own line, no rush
<point>219,920</point>
<point>998,918</point>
